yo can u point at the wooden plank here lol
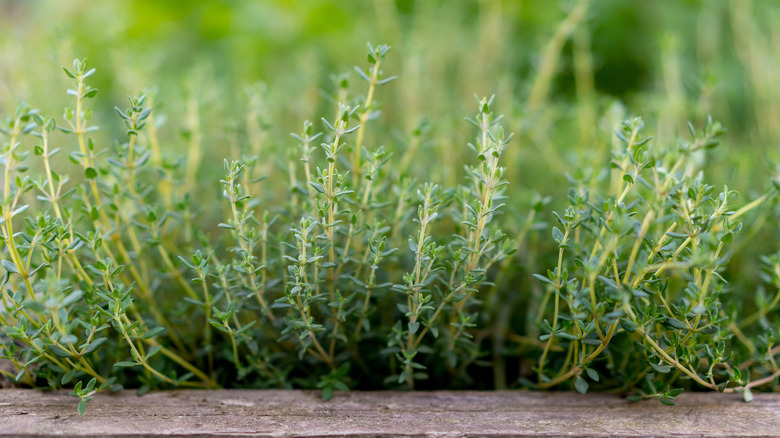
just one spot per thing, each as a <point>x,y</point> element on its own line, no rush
<point>391,414</point>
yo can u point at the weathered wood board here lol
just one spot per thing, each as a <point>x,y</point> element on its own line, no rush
<point>388,414</point>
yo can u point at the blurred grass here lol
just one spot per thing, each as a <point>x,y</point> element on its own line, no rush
<point>562,81</point>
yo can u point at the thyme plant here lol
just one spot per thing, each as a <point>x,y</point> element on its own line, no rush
<point>636,289</point>
<point>337,269</point>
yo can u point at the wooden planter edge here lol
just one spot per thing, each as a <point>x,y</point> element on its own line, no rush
<point>281,413</point>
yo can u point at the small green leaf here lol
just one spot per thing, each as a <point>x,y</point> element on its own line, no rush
<point>59,351</point>
<point>580,385</point>
<point>628,325</point>
<point>93,345</point>
<point>676,323</point>
<point>72,298</point>
<point>666,401</point>
<point>153,332</point>
<point>10,267</point>
<point>67,377</point>
<point>557,235</point>
<point>542,278</point>
<point>660,368</point>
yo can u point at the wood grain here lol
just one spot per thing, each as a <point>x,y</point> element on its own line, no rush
<point>27,413</point>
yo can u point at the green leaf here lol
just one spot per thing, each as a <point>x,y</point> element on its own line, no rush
<point>67,377</point>
<point>60,351</point>
<point>676,323</point>
<point>93,345</point>
<point>90,173</point>
<point>72,298</point>
<point>628,325</point>
<point>666,401</point>
<point>557,235</point>
<point>152,351</point>
<point>126,364</point>
<point>82,406</point>
<point>580,385</point>
<point>10,267</point>
<point>107,384</point>
<point>318,187</point>
<point>660,368</point>
<point>542,278</point>
<point>153,332</point>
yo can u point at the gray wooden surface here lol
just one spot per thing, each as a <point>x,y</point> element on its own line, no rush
<point>450,414</point>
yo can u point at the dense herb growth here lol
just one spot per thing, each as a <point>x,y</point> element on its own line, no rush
<point>332,261</point>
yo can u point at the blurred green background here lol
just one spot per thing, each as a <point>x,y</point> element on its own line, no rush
<point>564,74</point>
<point>670,61</point>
